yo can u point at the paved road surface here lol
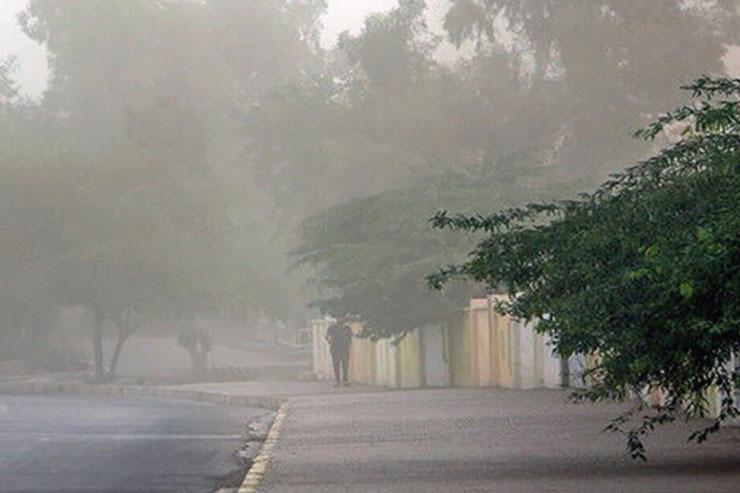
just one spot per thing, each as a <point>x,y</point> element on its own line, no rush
<point>482,440</point>
<point>117,444</point>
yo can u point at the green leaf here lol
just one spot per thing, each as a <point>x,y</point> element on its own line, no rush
<point>703,235</point>
<point>652,251</point>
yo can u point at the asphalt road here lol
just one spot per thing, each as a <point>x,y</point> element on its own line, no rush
<point>100,444</point>
<point>464,440</point>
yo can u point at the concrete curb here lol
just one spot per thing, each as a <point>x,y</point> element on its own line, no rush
<point>257,471</point>
<point>79,388</point>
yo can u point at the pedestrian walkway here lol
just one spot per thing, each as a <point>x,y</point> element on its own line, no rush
<point>481,440</point>
<point>275,388</point>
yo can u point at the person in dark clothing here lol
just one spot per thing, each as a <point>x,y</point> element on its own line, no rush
<point>339,337</point>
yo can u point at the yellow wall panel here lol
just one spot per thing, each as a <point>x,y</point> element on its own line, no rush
<point>409,361</point>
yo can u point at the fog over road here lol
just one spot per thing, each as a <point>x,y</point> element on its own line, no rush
<point>117,444</point>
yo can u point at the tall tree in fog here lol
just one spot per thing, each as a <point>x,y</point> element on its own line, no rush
<point>379,114</point>
<point>599,69</point>
<point>26,302</point>
<point>151,204</point>
<point>340,132</point>
<point>370,255</point>
<point>385,115</point>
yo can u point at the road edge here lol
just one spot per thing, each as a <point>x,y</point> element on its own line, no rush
<point>78,388</point>
<point>257,471</point>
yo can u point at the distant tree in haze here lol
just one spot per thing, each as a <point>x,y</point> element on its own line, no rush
<point>149,206</point>
<point>370,255</point>
<point>8,87</point>
<point>196,339</point>
<point>567,77</point>
<point>598,69</point>
<point>379,114</point>
<point>644,272</point>
<point>341,132</point>
<point>27,305</point>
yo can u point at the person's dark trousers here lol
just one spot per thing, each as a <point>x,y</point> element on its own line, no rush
<point>341,366</point>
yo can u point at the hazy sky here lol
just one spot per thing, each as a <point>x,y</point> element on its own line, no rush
<point>31,57</point>
<point>348,15</point>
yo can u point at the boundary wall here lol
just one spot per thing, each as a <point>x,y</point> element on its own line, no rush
<point>476,347</point>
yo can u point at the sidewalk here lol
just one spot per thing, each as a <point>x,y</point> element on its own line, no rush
<point>284,389</point>
<point>481,440</point>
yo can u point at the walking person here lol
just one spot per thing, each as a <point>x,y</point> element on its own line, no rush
<point>339,337</point>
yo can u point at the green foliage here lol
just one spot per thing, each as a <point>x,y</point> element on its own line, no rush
<point>370,255</point>
<point>644,272</point>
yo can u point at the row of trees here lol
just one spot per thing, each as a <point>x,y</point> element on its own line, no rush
<point>124,189</point>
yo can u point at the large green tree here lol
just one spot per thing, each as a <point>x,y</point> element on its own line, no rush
<point>644,272</point>
<point>370,255</point>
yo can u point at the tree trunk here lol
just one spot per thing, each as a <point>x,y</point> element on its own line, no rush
<point>127,324</point>
<point>116,353</point>
<point>200,362</point>
<point>97,328</point>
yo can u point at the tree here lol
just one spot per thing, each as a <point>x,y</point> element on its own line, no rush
<point>375,92</point>
<point>151,212</point>
<point>381,112</point>
<point>8,87</point>
<point>369,256</point>
<point>197,339</point>
<point>26,301</point>
<point>644,272</point>
<point>597,69</point>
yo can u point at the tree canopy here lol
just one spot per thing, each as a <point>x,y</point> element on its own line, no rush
<point>125,185</point>
<point>644,272</point>
<point>370,255</point>
<point>598,69</point>
<point>380,110</point>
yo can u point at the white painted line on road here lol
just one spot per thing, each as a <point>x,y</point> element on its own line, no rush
<point>260,463</point>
